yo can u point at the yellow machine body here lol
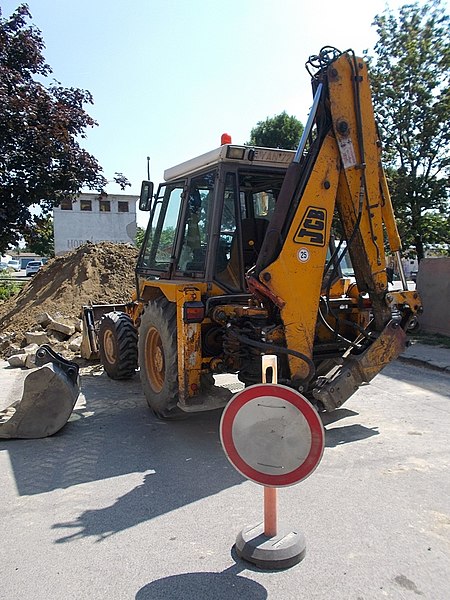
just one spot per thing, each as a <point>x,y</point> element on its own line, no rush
<point>244,255</point>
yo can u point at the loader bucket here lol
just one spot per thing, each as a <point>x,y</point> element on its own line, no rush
<point>49,395</point>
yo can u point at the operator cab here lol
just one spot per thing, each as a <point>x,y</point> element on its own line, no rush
<point>208,221</point>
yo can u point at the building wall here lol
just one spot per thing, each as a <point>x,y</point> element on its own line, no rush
<point>433,285</point>
<point>76,226</point>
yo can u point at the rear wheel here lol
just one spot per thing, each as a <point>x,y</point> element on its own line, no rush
<point>158,359</point>
<point>118,345</point>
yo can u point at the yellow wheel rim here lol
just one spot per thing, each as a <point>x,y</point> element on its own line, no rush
<point>154,359</point>
<point>109,347</point>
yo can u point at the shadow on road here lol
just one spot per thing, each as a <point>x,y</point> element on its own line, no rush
<point>341,413</point>
<point>207,585</point>
<point>115,434</point>
<point>427,379</point>
<point>337,436</point>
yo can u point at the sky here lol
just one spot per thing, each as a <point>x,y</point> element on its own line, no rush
<point>168,77</point>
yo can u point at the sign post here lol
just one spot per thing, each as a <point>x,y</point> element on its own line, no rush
<point>273,436</point>
<point>269,361</point>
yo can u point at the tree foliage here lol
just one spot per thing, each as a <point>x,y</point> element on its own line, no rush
<point>280,131</point>
<point>166,236</point>
<point>410,75</point>
<point>139,237</point>
<point>41,161</point>
<point>38,236</point>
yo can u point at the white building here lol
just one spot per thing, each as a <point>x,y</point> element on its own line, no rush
<point>94,218</point>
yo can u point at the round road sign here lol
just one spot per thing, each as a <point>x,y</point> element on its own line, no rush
<point>272,435</point>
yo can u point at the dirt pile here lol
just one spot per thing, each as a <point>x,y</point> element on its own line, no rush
<point>93,273</point>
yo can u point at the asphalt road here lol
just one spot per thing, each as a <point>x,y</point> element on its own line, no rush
<point>119,505</point>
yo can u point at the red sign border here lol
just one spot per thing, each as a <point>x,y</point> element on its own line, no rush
<point>289,395</point>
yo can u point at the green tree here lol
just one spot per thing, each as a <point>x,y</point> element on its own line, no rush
<point>433,225</point>
<point>139,237</point>
<point>38,236</point>
<point>410,75</point>
<point>165,239</point>
<point>41,161</point>
<point>280,131</point>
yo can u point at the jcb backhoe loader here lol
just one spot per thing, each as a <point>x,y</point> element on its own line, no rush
<point>239,259</point>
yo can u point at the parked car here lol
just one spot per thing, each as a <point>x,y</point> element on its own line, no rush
<point>33,267</point>
<point>14,264</point>
<point>3,266</point>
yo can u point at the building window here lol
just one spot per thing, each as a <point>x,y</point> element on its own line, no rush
<point>123,207</point>
<point>85,204</point>
<point>105,205</point>
<point>66,204</point>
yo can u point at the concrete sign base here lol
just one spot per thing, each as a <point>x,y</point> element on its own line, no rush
<point>282,551</point>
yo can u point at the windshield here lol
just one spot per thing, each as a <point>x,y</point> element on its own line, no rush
<point>346,266</point>
<point>158,249</point>
<point>195,228</point>
<point>343,259</point>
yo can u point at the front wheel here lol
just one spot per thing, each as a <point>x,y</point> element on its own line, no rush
<point>118,337</point>
<point>158,359</point>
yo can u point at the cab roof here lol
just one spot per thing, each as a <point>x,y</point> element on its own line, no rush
<point>245,155</point>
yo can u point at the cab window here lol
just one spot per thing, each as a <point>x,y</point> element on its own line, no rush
<point>258,194</point>
<point>195,229</point>
<point>227,263</point>
<point>159,243</point>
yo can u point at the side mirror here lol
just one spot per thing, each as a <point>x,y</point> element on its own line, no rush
<point>145,199</point>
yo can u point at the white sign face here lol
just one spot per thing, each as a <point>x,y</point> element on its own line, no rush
<point>271,435</point>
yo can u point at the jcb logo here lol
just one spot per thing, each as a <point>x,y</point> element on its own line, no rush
<point>312,227</point>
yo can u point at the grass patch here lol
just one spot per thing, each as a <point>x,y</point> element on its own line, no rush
<point>8,287</point>
<point>432,339</point>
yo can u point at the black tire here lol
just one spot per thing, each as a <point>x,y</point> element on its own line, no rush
<point>118,342</point>
<point>158,358</point>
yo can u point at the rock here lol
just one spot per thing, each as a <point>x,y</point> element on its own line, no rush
<point>13,350</point>
<point>17,360</point>
<point>5,340</point>
<point>61,347</point>
<point>30,361</point>
<point>67,330</point>
<point>44,319</point>
<point>7,335</point>
<point>57,336</point>
<point>75,343</point>
<point>31,348</point>
<point>36,337</point>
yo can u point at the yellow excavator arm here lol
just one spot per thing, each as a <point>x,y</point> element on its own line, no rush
<point>337,167</point>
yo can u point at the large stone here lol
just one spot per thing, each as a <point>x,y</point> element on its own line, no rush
<point>57,336</point>
<point>67,330</point>
<point>17,360</point>
<point>31,348</point>
<point>36,337</point>
<point>30,361</point>
<point>75,343</point>
<point>44,319</point>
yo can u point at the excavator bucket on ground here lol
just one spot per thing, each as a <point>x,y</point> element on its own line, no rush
<point>49,394</point>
